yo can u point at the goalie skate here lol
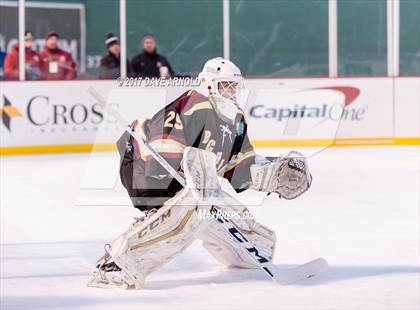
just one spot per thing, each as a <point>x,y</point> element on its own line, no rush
<point>108,279</point>
<point>108,274</point>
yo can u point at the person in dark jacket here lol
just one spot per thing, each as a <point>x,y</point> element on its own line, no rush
<point>149,63</point>
<point>110,64</point>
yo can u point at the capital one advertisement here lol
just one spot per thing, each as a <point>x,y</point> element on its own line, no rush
<point>320,109</point>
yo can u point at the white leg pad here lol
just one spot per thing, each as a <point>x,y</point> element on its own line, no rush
<point>154,240</point>
<point>151,243</point>
<point>217,240</point>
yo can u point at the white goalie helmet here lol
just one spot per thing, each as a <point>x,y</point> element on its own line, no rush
<point>221,81</point>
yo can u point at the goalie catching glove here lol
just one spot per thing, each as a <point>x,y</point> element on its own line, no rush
<point>287,175</point>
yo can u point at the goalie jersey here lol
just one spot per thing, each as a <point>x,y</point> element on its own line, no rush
<point>189,120</point>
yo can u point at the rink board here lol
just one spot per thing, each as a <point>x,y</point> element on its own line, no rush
<point>50,117</point>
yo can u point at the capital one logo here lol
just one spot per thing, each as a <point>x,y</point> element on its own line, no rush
<point>8,112</point>
<point>320,110</point>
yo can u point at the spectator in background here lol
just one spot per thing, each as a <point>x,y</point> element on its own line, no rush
<point>32,61</point>
<point>57,64</point>
<point>110,64</point>
<point>2,57</point>
<point>149,63</point>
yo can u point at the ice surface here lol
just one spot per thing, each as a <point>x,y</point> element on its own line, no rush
<point>361,214</point>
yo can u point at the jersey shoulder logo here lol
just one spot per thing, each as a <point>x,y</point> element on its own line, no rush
<point>240,128</point>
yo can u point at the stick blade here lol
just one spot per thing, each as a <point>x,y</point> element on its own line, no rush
<point>301,272</point>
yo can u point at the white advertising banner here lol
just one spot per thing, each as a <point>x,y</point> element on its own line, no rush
<point>279,111</point>
<point>368,106</point>
<point>46,113</point>
<point>407,107</point>
<point>64,113</point>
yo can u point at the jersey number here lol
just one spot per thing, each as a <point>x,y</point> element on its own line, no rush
<point>173,120</point>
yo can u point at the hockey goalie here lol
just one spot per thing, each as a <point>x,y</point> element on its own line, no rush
<point>203,136</point>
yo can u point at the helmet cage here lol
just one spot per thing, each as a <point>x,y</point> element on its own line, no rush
<point>228,89</point>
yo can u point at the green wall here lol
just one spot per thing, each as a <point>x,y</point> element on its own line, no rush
<point>362,37</point>
<point>188,32</point>
<point>268,37</point>
<point>410,38</point>
<point>280,38</point>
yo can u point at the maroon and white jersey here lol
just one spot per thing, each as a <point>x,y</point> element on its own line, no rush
<point>190,120</point>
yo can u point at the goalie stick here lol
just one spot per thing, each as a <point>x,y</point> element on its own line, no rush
<point>282,276</point>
